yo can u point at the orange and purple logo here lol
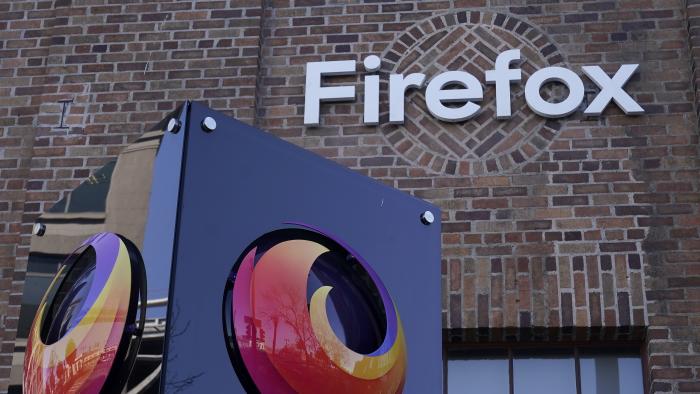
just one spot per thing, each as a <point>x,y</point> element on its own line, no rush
<point>309,315</point>
<point>80,332</point>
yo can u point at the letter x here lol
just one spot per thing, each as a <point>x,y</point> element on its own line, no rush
<point>611,89</point>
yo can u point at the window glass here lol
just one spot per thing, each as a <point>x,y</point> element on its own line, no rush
<point>542,369</point>
<point>532,369</point>
<point>606,374</point>
<point>485,376</point>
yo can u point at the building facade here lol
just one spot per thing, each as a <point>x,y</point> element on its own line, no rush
<point>572,230</point>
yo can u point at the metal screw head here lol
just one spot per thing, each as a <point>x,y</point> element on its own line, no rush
<point>427,218</point>
<point>173,125</point>
<point>39,229</point>
<point>209,124</point>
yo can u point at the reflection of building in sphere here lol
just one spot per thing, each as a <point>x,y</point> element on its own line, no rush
<point>332,321</point>
<point>114,198</point>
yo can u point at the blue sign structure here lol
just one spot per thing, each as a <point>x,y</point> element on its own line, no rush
<point>267,269</point>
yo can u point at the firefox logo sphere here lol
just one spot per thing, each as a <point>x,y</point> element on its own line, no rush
<point>84,335</point>
<point>304,313</point>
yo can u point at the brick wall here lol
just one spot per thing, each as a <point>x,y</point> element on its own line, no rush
<point>577,223</point>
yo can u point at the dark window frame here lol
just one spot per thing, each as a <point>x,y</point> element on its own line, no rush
<point>638,348</point>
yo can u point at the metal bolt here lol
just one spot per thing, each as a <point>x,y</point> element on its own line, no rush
<point>173,125</point>
<point>209,124</point>
<point>39,229</point>
<point>427,218</point>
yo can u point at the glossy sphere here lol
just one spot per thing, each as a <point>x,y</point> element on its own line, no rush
<point>287,341</point>
<point>80,322</point>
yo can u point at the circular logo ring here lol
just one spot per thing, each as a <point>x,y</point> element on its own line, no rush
<point>84,337</point>
<point>305,313</point>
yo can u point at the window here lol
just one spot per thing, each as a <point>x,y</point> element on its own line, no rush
<point>485,374</point>
<point>603,373</point>
<point>544,369</point>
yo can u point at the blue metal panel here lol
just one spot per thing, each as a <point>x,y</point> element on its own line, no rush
<point>240,183</point>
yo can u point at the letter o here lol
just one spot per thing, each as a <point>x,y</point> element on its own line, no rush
<point>554,110</point>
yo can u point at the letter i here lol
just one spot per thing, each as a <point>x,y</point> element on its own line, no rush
<point>371,115</point>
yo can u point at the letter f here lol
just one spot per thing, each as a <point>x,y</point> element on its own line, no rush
<point>502,76</point>
<point>315,94</point>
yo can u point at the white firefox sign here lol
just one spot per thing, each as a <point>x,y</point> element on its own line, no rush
<point>441,90</point>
